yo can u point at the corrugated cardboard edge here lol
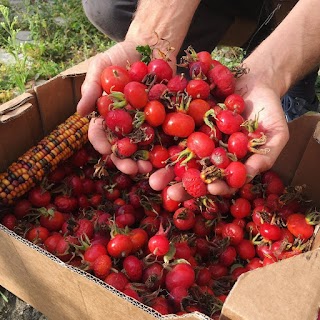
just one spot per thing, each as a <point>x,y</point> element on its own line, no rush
<point>78,69</point>
<point>288,289</point>
<point>15,113</point>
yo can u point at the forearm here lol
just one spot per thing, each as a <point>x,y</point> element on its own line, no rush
<point>292,50</point>
<point>169,20</point>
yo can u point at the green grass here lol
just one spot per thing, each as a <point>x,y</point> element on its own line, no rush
<point>61,36</point>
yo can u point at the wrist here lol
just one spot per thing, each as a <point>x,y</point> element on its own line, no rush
<point>162,24</point>
<point>265,71</point>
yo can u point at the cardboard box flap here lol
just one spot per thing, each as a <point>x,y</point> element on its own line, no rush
<point>20,129</point>
<point>307,173</point>
<point>56,102</point>
<point>15,113</point>
<point>301,131</point>
<point>15,107</point>
<point>285,290</point>
<point>79,296</point>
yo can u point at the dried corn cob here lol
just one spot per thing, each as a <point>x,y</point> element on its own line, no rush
<point>39,160</point>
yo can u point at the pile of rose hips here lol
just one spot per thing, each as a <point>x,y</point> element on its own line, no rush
<point>175,257</point>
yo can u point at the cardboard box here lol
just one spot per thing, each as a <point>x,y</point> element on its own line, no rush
<point>288,290</point>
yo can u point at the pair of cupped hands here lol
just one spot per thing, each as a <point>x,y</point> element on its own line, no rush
<point>259,96</point>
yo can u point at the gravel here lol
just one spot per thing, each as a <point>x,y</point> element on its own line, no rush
<point>16,309</point>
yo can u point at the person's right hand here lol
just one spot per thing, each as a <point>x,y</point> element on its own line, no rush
<point>120,54</point>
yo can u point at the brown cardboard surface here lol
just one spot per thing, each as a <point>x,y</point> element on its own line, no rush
<point>289,160</point>
<point>9,115</point>
<point>56,102</point>
<point>55,290</point>
<point>77,82</point>
<point>27,118</point>
<point>308,172</point>
<point>286,290</point>
<point>19,134</point>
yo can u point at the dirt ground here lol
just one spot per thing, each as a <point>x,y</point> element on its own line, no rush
<point>16,309</point>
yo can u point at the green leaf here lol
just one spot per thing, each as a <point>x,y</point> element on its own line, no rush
<point>146,53</point>
<point>4,297</point>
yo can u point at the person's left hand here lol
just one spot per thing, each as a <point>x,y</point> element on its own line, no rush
<point>263,101</point>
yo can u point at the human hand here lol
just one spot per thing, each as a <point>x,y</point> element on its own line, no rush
<point>262,101</point>
<point>91,89</point>
<point>121,54</point>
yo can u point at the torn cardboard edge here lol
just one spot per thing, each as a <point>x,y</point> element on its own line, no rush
<point>14,104</point>
<point>16,112</point>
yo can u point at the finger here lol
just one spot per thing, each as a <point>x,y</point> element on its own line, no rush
<point>97,136</point>
<point>178,193</point>
<point>220,187</point>
<point>161,178</point>
<point>258,163</point>
<point>126,166</point>
<point>91,88</point>
<point>144,166</point>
